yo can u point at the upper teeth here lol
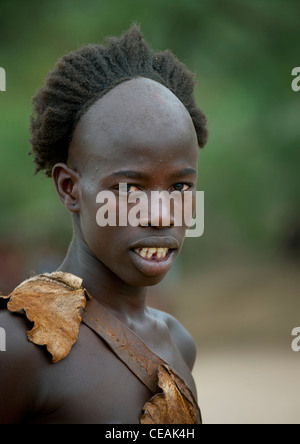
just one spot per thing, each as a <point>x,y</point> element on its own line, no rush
<point>148,252</point>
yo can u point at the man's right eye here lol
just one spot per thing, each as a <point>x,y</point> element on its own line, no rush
<point>131,188</point>
<point>127,188</point>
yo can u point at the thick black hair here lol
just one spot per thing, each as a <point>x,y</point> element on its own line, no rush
<point>83,76</point>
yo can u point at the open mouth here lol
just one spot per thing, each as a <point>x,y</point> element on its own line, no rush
<point>153,261</point>
<point>153,254</point>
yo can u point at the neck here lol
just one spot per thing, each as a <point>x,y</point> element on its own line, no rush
<point>126,302</point>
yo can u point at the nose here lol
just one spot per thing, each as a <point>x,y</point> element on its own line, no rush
<point>160,211</point>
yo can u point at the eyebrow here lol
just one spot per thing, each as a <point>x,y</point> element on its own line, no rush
<point>138,175</point>
<point>129,173</point>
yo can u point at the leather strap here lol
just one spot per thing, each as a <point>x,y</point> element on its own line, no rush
<point>128,347</point>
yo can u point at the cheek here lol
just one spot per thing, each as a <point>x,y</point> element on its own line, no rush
<point>94,235</point>
<point>99,238</point>
<point>98,226</point>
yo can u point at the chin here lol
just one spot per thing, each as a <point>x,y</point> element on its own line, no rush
<point>145,281</point>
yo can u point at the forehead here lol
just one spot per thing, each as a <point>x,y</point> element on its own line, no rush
<point>136,119</point>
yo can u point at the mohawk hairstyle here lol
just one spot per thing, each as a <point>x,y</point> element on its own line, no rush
<point>83,76</point>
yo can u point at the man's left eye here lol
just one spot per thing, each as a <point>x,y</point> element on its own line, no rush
<point>181,187</point>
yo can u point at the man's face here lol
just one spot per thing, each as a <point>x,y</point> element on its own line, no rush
<point>139,134</point>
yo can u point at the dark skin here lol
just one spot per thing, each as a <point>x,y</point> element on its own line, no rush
<point>142,130</point>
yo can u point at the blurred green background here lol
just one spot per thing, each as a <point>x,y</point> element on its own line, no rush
<point>243,274</point>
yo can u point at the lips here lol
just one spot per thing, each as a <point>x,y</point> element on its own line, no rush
<point>156,242</point>
<point>154,256</point>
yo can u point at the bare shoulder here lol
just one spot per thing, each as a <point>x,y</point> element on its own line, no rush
<point>18,349</point>
<point>15,327</point>
<point>19,364</point>
<point>179,335</point>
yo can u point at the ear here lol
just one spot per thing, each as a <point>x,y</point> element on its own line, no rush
<point>67,186</point>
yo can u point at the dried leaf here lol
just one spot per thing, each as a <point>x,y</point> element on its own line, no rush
<point>53,303</point>
<point>173,405</point>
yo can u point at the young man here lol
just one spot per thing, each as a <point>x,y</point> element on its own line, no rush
<point>107,115</point>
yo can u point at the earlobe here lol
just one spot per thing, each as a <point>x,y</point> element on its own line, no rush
<point>67,186</point>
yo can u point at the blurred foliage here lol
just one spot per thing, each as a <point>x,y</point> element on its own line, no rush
<point>242,53</point>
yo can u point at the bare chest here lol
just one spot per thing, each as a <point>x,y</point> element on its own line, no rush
<point>91,386</point>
